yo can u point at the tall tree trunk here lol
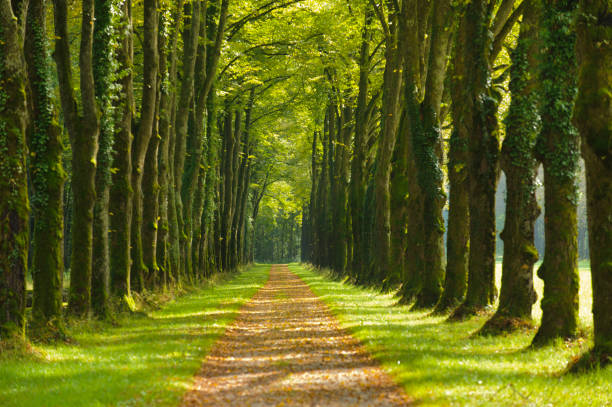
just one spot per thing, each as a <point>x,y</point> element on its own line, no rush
<point>47,179</point>
<point>517,294</point>
<point>103,60</point>
<point>389,125</point>
<point>427,152</point>
<point>142,139</point>
<point>190,40</point>
<point>167,76</point>
<point>593,115</point>
<point>357,184</point>
<point>458,235</point>
<point>121,192</point>
<point>83,130</point>
<point>483,165</point>
<point>14,206</point>
<point>313,206</point>
<point>557,148</point>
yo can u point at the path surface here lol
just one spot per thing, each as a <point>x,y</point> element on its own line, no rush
<point>286,349</point>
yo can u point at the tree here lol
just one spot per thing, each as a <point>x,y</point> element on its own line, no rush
<point>557,149</point>
<point>47,178</point>
<point>142,138</point>
<point>517,294</point>
<point>593,118</point>
<point>14,206</point>
<point>103,56</point>
<point>83,128</point>
<point>394,62</point>
<point>121,192</point>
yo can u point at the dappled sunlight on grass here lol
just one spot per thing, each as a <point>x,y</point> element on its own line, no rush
<point>146,361</point>
<point>441,363</point>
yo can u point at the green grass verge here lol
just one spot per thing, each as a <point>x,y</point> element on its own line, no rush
<point>146,361</point>
<point>440,363</point>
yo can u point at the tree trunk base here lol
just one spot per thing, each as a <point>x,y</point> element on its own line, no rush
<point>446,307</point>
<point>594,359</point>
<point>464,312</point>
<point>502,324</point>
<point>51,331</point>
<point>545,338</point>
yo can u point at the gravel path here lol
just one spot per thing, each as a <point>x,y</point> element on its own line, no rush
<point>286,349</point>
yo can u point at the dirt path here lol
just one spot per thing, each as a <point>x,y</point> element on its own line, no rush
<point>286,349</point>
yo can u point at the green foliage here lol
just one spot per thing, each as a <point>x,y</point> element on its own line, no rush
<point>558,90</point>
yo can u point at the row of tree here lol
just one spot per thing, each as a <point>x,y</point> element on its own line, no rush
<point>156,176</point>
<point>434,79</point>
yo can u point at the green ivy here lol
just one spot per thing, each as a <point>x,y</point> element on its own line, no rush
<point>558,91</point>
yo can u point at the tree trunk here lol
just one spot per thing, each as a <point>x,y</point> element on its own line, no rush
<point>14,207</point>
<point>427,152</point>
<point>593,116</point>
<point>557,148</point>
<point>517,294</point>
<point>190,40</point>
<point>102,56</point>
<point>121,189</point>
<point>142,138</point>
<point>458,234</point>
<point>389,125</point>
<point>47,180</point>
<point>483,165</point>
<point>83,131</point>
<point>357,184</point>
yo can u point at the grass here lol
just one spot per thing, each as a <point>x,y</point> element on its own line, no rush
<point>145,361</point>
<point>441,364</point>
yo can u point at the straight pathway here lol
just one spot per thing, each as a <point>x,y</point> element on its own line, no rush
<point>286,349</point>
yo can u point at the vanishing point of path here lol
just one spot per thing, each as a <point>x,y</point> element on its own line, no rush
<point>286,349</point>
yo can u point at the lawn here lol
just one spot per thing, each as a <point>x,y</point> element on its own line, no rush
<point>145,361</point>
<point>441,364</point>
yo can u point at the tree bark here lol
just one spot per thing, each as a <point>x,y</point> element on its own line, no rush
<point>14,206</point>
<point>593,116</point>
<point>102,56</point>
<point>557,149</point>
<point>357,184</point>
<point>483,165</point>
<point>47,180</point>
<point>389,125</point>
<point>83,130</point>
<point>121,192</point>
<point>142,138</point>
<point>190,47</point>
<point>517,294</point>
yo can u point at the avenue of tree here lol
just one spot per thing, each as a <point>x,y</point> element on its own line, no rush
<point>147,144</point>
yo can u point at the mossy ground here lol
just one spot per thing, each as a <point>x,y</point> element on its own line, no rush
<point>148,360</point>
<point>443,364</point>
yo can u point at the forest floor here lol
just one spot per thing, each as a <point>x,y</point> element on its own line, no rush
<point>286,349</point>
<point>145,360</point>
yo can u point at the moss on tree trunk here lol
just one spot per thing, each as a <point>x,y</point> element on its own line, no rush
<point>14,206</point>
<point>517,294</point>
<point>47,179</point>
<point>593,116</point>
<point>557,149</point>
<point>121,192</point>
<point>483,166</point>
